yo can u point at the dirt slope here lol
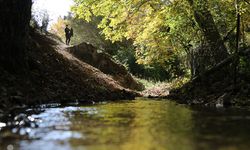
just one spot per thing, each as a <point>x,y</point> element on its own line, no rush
<point>57,76</point>
<point>89,54</point>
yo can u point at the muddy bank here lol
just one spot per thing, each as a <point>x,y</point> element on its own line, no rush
<point>56,76</point>
<point>214,92</point>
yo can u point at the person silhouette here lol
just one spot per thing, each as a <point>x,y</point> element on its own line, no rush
<point>67,34</point>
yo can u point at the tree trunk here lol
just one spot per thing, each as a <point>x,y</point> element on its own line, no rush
<point>14,28</point>
<point>206,23</point>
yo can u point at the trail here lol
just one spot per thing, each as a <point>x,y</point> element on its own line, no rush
<point>159,90</point>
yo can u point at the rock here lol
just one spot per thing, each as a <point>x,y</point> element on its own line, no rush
<point>223,101</point>
<point>219,105</point>
<point>23,120</point>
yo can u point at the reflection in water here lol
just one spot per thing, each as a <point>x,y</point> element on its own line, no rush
<point>132,125</point>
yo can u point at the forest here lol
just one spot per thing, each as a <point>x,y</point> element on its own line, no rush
<point>125,74</point>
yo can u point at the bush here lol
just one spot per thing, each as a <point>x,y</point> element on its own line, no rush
<point>169,70</point>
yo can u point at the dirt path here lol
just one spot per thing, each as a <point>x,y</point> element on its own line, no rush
<point>159,90</point>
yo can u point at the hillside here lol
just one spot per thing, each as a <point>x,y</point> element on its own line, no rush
<point>55,75</point>
<point>89,54</point>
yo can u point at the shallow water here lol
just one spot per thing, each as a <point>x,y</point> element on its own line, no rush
<point>130,125</point>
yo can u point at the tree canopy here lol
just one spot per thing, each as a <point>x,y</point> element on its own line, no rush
<point>161,28</point>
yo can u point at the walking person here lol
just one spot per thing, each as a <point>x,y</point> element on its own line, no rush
<point>67,34</point>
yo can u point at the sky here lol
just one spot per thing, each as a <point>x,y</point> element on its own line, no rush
<point>55,8</point>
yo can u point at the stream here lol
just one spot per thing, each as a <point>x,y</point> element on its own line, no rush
<point>142,124</point>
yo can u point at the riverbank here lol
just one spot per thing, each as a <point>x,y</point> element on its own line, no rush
<point>222,93</point>
<point>216,93</point>
<point>54,75</point>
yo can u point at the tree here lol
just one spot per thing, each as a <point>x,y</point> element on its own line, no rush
<point>14,29</point>
<point>161,29</point>
<point>206,23</point>
<point>137,21</point>
<point>40,18</point>
<point>45,21</point>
